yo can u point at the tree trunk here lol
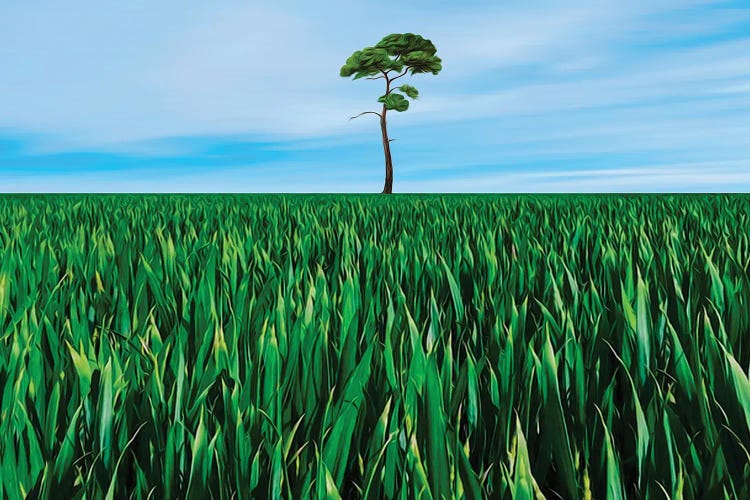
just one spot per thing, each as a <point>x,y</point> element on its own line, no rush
<point>388,187</point>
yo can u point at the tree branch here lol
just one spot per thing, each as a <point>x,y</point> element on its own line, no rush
<point>365,113</point>
<point>399,76</point>
<point>374,77</point>
<point>392,80</point>
<point>387,82</point>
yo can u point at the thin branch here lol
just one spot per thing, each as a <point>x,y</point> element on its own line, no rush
<point>393,79</point>
<point>374,77</point>
<point>391,140</point>
<point>399,76</point>
<point>365,113</point>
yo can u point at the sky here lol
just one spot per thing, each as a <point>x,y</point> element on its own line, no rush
<point>245,96</point>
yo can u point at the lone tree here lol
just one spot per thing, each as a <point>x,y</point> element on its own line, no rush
<point>393,57</point>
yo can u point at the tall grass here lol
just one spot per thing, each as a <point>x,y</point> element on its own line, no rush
<point>357,346</point>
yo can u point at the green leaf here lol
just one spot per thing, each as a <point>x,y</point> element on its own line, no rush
<point>336,449</point>
<point>399,44</point>
<point>409,90</point>
<point>418,472</point>
<point>436,451</point>
<point>377,447</point>
<point>555,419</point>
<point>472,408</point>
<point>200,458</point>
<point>106,414</point>
<point>369,61</point>
<point>332,493</point>
<point>454,289</point>
<point>469,479</point>
<point>115,476</point>
<point>614,475</point>
<point>422,62</point>
<point>524,484</point>
<point>394,101</point>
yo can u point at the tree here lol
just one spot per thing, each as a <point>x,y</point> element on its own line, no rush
<point>393,57</point>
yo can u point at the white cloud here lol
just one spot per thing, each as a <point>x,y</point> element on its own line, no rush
<point>727,176</point>
<point>731,176</point>
<point>256,178</point>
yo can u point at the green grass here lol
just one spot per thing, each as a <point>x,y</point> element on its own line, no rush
<point>347,346</point>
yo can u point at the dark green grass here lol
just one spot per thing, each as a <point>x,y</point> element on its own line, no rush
<point>351,345</point>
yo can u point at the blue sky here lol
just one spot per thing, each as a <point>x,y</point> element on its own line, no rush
<point>230,96</point>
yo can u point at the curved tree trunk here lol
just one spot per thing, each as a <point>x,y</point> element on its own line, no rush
<point>388,186</point>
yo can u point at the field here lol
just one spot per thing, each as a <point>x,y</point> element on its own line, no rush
<point>370,346</point>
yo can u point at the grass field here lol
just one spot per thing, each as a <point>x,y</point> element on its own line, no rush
<point>369,346</point>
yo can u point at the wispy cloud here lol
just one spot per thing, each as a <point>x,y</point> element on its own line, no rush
<point>718,177</point>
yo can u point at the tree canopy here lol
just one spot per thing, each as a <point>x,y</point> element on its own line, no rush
<point>400,53</point>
